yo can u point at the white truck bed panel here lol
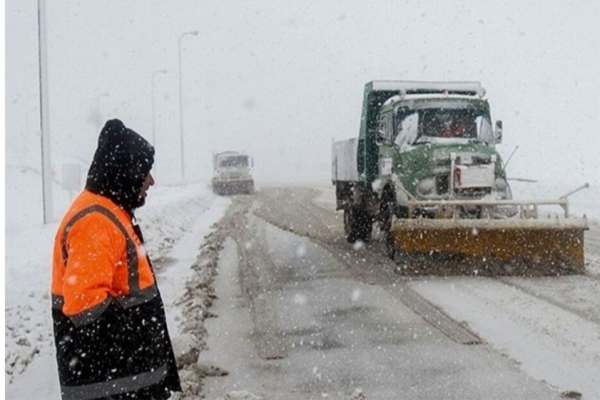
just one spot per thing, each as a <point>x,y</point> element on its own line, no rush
<point>344,160</point>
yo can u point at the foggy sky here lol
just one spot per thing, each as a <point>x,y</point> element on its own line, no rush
<point>281,79</point>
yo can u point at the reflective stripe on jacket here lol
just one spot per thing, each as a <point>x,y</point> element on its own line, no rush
<point>98,258</point>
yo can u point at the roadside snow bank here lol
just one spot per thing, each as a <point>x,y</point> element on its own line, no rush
<point>193,310</point>
<point>171,212</point>
<point>27,309</point>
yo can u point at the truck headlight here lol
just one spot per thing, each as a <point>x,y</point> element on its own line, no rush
<point>426,186</point>
<point>501,184</point>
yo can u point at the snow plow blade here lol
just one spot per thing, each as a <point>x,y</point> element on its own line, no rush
<point>502,246</point>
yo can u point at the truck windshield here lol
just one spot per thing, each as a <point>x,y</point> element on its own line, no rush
<point>451,120</point>
<point>237,161</point>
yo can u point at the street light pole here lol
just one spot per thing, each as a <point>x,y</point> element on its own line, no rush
<point>44,114</point>
<point>181,139</point>
<point>160,71</point>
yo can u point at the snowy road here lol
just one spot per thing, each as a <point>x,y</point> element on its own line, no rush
<point>303,314</point>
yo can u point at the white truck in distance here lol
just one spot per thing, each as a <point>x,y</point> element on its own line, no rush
<point>232,173</point>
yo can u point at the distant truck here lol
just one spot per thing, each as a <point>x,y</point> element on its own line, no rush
<point>232,173</point>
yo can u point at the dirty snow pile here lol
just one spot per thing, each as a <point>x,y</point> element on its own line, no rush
<point>174,222</point>
<point>192,306</point>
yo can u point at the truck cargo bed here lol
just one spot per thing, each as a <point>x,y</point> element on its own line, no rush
<point>344,165</point>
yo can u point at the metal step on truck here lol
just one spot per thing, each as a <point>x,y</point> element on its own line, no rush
<point>425,168</point>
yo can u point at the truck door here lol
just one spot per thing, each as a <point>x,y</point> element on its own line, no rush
<point>385,150</point>
<point>407,128</point>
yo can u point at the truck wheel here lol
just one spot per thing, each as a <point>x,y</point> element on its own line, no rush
<point>357,224</point>
<point>386,214</point>
<point>348,225</point>
<point>386,217</point>
<point>390,246</point>
<point>365,226</point>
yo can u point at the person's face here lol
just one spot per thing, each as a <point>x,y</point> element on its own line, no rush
<point>149,181</point>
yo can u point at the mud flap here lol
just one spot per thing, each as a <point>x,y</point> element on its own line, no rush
<point>357,224</point>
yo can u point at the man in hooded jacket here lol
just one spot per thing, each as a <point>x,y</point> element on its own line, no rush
<point>109,322</point>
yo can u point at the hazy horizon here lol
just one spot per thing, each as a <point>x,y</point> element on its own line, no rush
<point>281,82</point>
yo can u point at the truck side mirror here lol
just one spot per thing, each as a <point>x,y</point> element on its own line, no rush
<point>379,137</point>
<point>498,132</point>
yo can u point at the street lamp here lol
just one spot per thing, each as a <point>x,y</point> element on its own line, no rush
<point>181,142</point>
<point>160,71</point>
<point>47,197</point>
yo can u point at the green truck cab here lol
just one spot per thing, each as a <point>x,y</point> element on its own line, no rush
<point>417,141</point>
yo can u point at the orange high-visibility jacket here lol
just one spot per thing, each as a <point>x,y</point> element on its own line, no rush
<point>98,258</point>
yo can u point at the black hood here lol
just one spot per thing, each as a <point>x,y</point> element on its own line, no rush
<point>121,162</point>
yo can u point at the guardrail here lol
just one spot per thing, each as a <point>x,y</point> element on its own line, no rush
<point>527,208</point>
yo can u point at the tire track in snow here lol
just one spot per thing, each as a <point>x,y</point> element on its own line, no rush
<point>372,267</point>
<point>571,344</point>
<point>551,343</point>
<point>561,304</point>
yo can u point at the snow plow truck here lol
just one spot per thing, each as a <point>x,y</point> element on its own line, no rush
<point>232,173</point>
<point>425,169</point>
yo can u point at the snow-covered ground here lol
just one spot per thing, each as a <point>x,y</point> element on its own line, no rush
<point>174,221</point>
<point>557,341</point>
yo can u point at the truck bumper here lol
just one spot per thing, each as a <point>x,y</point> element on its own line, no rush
<point>236,186</point>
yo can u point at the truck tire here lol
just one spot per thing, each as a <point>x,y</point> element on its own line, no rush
<point>386,211</point>
<point>386,216</point>
<point>349,225</point>
<point>390,246</point>
<point>357,224</point>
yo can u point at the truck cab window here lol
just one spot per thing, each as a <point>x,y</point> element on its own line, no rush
<point>485,132</point>
<point>408,129</point>
<point>240,161</point>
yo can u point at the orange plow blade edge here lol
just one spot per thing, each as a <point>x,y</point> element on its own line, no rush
<point>552,244</point>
